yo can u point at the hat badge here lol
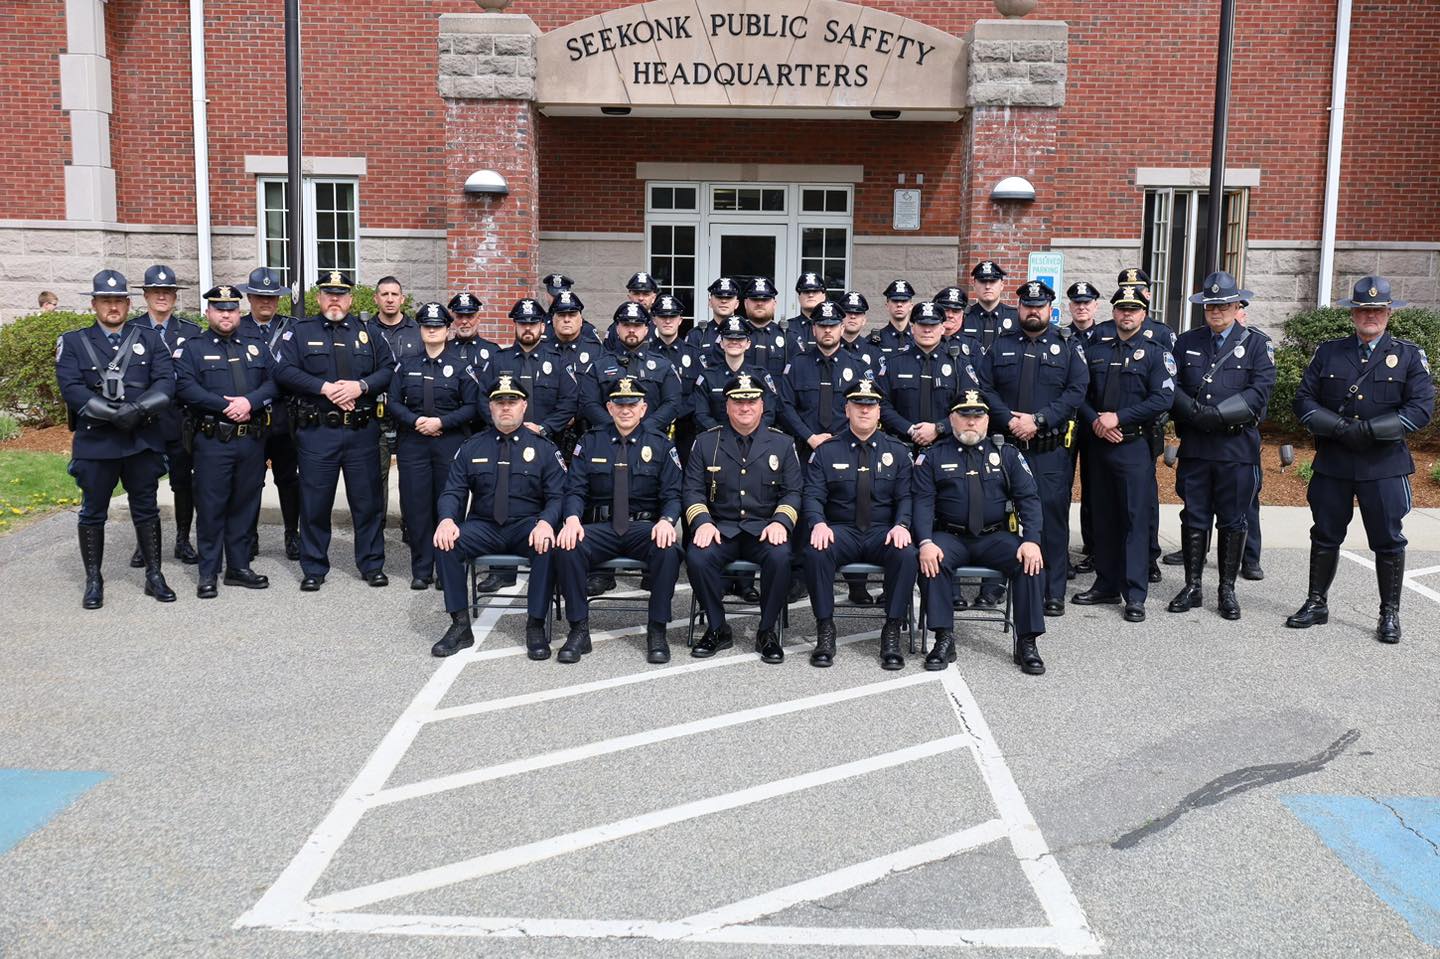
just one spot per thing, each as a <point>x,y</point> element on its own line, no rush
<point>1374,292</point>
<point>972,398</point>
<point>987,266</point>
<point>505,383</point>
<point>335,277</point>
<point>1128,292</point>
<point>1130,276</point>
<point>225,292</point>
<point>162,275</point>
<point>627,384</point>
<point>744,380</point>
<point>110,281</point>
<point>1215,288</point>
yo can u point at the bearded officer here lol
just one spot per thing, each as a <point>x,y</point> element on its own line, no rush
<point>742,499</point>
<point>987,317</point>
<point>632,358</point>
<point>1361,396</point>
<point>921,381</point>
<point>858,502</point>
<point>116,379</point>
<point>622,499</point>
<point>962,488</point>
<point>771,345</point>
<point>265,322</point>
<point>1226,373</point>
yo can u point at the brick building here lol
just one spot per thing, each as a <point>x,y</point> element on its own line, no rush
<point>691,137</point>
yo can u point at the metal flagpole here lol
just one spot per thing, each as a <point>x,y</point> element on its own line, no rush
<point>295,205</point>
<point>1218,137</point>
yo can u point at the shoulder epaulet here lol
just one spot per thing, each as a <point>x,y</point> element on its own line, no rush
<point>716,428</point>
<point>777,430</point>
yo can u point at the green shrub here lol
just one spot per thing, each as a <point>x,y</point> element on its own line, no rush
<point>1305,470</point>
<point>9,427</point>
<point>1435,472</point>
<point>364,301</point>
<point>27,365</point>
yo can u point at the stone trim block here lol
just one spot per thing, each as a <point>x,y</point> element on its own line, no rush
<point>487,57</point>
<point>1018,63</point>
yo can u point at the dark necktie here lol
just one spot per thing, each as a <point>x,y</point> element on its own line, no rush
<point>114,339</point>
<point>762,350</point>
<point>1215,344</point>
<point>991,327</point>
<point>620,494</point>
<point>427,401</point>
<point>1112,379</point>
<point>236,364</point>
<point>926,384</point>
<point>827,392</point>
<point>743,445</point>
<point>1365,350</point>
<point>862,490</point>
<point>502,482</point>
<point>341,349</point>
<point>1029,360</point>
<point>975,493</point>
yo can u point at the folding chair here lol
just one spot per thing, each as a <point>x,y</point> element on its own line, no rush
<point>623,568</point>
<point>521,564</point>
<point>733,571</point>
<point>850,611</point>
<point>970,576</point>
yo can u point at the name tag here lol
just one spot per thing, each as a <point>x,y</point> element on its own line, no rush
<point>1193,353</point>
<point>949,466</point>
<point>481,459</point>
<point>314,342</point>
<point>840,466</point>
<point>209,357</point>
<point>416,373</point>
<point>598,459</point>
<point>1011,353</point>
<point>906,376</point>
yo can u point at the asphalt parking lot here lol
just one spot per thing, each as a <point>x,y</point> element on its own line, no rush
<point>287,774</point>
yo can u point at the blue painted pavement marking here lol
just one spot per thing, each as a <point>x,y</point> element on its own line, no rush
<point>1393,843</point>
<point>29,798</point>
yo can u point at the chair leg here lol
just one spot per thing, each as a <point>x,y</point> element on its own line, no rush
<point>1009,607</point>
<point>690,636</point>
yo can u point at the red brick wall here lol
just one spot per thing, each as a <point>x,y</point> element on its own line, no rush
<point>36,144</point>
<point>1018,141</point>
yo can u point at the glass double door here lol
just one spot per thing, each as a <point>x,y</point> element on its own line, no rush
<point>743,251</point>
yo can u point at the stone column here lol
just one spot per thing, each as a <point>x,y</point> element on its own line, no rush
<point>85,95</point>
<point>1016,89</point>
<point>487,79</point>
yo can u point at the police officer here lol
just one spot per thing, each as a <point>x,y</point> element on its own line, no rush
<point>921,381</point>
<point>475,350</point>
<point>962,487</point>
<point>723,302</point>
<point>858,502</point>
<point>1082,297</point>
<point>338,374</point>
<point>435,400</point>
<point>710,386</point>
<point>1034,380</point>
<point>1132,384</point>
<point>684,356</point>
<point>809,293</point>
<point>160,290</point>
<point>403,336</point>
<point>1361,396</point>
<point>1226,373</point>
<point>814,386</point>
<point>580,347</point>
<point>513,480</point>
<point>641,288</point>
<point>952,300</point>
<point>742,499</point>
<point>223,379</point>
<point>852,334</point>
<point>771,345</point>
<point>987,317</point>
<point>622,499</point>
<point>554,283</point>
<point>116,379</point>
<point>651,372</point>
<point>895,335</point>
<point>265,322</point>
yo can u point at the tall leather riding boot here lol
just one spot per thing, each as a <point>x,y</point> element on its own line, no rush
<point>1230,551</point>
<point>1390,572</point>
<point>1315,611</point>
<point>184,513</point>
<point>1193,543</point>
<point>92,554</point>
<point>148,534</point>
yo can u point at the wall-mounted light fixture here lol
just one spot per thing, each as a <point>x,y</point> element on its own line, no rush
<point>1013,188</point>
<point>615,111</point>
<point>487,183</point>
<point>884,114</point>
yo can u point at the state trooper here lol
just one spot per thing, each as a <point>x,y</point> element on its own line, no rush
<point>684,356</point>
<point>709,394</point>
<point>475,350</point>
<point>1034,381</point>
<point>403,337</point>
<point>266,323</point>
<point>223,379</point>
<point>1361,396</point>
<point>503,495</point>
<point>723,301</point>
<point>987,317</point>
<point>852,339</point>
<point>116,378</point>
<point>858,506</point>
<point>337,375</point>
<point>1222,390</point>
<point>434,399</point>
<point>742,499</point>
<point>1082,297</point>
<point>160,291</point>
<point>895,334</point>
<point>622,499</point>
<point>632,358</point>
<point>1132,386</point>
<point>771,345</point>
<point>920,381</point>
<point>809,293</point>
<point>968,495</point>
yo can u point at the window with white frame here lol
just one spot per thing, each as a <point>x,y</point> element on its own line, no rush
<point>331,210</point>
<point>1173,251</point>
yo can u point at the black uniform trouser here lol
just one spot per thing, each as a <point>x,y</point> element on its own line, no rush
<point>1125,496</point>
<point>853,546</point>
<point>707,575</point>
<point>180,465</point>
<point>228,480</point>
<point>284,468</point>
<point>326,452</point>
<point>479,537</point>
<point>997,551</point>
<point>1383,505</point>
<point>1054,472</point>
<point>140,472</point>
<point>602,543</point>
<point>424,464</point>
<point>1215,491</point>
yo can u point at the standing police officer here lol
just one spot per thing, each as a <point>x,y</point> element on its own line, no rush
<point>434,399</point>
<point>265,323</point>
<point>814,386</point>
<point>1082,297</point>
<point>403,336</point>
<point>160,289</point>
<point>858,503</point>
<point>742,500</point>
<point>710,386</point>
<point>632,358</point>
<point>1226,373</point>
<point>1034,381</point>
<point>116,378</point>
<point>723,301</point>
<point>1132,385</point>
<point>857,309</point>
<point>895,335</point>
<point>987,317</point>
<point>771,346</point>
<point>809,293</point>
<point>963,488</point>
<point>475,350</point>
<point>684,356</point>
<point>1361,396</point>
<point>337,373</point>
<point>513,480</point>
<point>223,379</point>
<point>622,499</point>
<point>921,381</point>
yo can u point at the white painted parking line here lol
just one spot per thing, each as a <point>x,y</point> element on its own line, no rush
<point>1423,571</point>
<point>1368,563</point>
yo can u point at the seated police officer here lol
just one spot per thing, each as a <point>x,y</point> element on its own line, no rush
<point>435,401</point>
<point>115,379</point>
<point>742,499</point>
<point>1226,373</point>
<point>622,499</point>
<point>1361,396</point>
<point>513,481</point>
<point>223,378</point>
<point>858,508</point>
<point>963,488</point>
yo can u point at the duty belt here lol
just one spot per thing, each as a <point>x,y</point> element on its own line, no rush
<point>1042,442</point>
<point>956,529</point>
<point>602,514</point>
<point>1139,432</point>
<point>306,415</point>
<point>219,428</point>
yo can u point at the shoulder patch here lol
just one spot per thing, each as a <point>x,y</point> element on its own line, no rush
<point>1270,351</point>
<point>920,460</point>
<point>561,460</point>
<point>59,346</point>
<point>1020,457</point>
<point>675,457</point>
<point>1169,362</point>
<point>1424,360</point>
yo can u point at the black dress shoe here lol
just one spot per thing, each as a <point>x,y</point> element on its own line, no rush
<point>960,602</point>
<point>421,582</point>
<point>1134,612</point>
<point>377,578</point>
<point>311,584</point>
<point>767,644</point>
<point>537,644</point>
<point>137,559</point>
<point>1155,574</point>
<point>292,544</point>
<point>1252,572</point>
<point>457,637</point>
<point>860,596</point>
<point>184,552</point>
<point>206,589</point>
<point>712,642</point>
<point>942,654</point>
<point>1093,597</point>
<point>1176,558</point>
<point>493,583</point>
<point>797,590</point>
<point>598,584</point>
<point>247,578</point>
<point>577,643</point>
<point>1054,607</point>
<point>746,590</point>
<point>1027,657</point>
<point>1085,565</point>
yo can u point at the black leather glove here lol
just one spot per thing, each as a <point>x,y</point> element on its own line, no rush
<point>1352,434</point>
<point>127,416</point>
<point>1206,417</point>
<point>99,408</point>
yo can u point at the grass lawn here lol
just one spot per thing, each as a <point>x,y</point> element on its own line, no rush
<point>32,484</point>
